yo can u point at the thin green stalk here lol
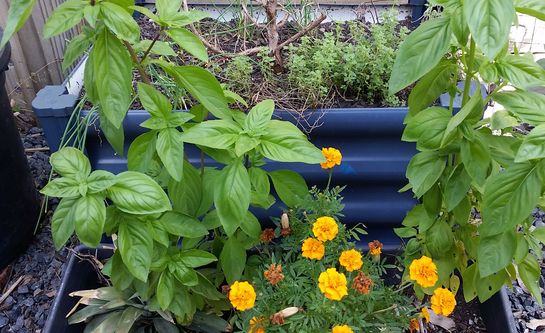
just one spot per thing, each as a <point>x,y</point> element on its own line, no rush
<point>469,74</point>
<point>329,179</point>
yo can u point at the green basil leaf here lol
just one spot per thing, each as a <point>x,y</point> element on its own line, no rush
<point>469,277</point>
<point>121,277</point>
<point>71,162</point>
<point>219,134</point>
<point>176,119</point>
<point>424,170</point>
<point>186,276</point>
<point>89,214</point>
<point>427,128</point>
<point>153,101</point>
<point>120,22</point>
<point>232,196</point>
<point>405,232</point>
<point>259,116</point>
<point>202,85</point>
<point>431,86</point>
<point>75,49</point>
<point>136,193</point>
<point>527,106</point>
<point>470,113</point>
<point>244,144</point>
<point>90,13</point>
<point>186,195</point>
<point>250,226</point>
<point>212,220</point>
<point>457,187</point>
<point>233,260</point>
<point>182,305</point>
<point>114,135</point>
<point>530,272</point>
<point>136,247</point>
<point>418,216</point>
<point>260,180</point>
<point>533,146</point>
<point>189,42</point>
<point>290,187</point>
<point>196,258</point>
<point>496,252</point>
<point>170,149</point>
<point>183,225</point>
<point>509,198</point>
<point>141,152</point>
<point>521,71</point>
<point>439,239</point>
<point>476,159</point>
<point>64,17</point>
<point>165,289</point>
<point>129,316</point>
<point>146,12</point>
<point>184,18</point>
<point>420,52</point>
<point>167,8</point>
<point>489,22</point>
<point>159,47</point>
<point>284,142</point>
<point>501,119</point>
<point>100,180</point>
<point>18,13</point>
<point>62,224</point>
<point>61,188</point>
<point>159,234</point>
<point>459,26</point>
<point>535,8</point>
<point>113,72</point>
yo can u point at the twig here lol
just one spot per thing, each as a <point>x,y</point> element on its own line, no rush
<point>249,16</point>
<point>32,150</point>
<point>12,288</point>
<point>151,45</point>
<point>303,32</point>
<point>139,66</point>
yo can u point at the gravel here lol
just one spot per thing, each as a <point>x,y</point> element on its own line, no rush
<point>26,308</point>
<point>525,309</point>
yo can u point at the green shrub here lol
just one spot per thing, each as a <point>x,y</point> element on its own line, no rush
<point>238,74</point>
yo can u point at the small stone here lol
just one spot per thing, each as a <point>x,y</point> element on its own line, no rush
<point>22,289</point>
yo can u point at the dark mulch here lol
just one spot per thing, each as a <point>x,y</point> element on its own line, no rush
<point>27,307</point>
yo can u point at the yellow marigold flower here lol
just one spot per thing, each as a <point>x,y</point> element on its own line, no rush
<point>333,284</point>
<point>257,325</point>
<point>414,326</point>
<point>332,157</point>
<point>313,249</point>
<point>424,313</point>
<point>423,271</point>
<point>375,248</point>
<point>341,329</point>
<point>325,228</point>
<point>351,260</point>
<point>242,295</point>
<point>443,301</point>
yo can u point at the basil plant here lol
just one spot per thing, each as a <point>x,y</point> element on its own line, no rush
<point>478,180</point>
<point>179,230</point>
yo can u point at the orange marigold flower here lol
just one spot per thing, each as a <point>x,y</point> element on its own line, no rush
<point>332,157</point>
<point>414,326</point>
<point>242,295</point>
<point>267,235</point>
<point>257,325</point>
<point>443,301</point>
<point>341,329</point>
<point>351,260</point>
<point>277,319</point>
<point>325,228</point>
<point>274,274</point>
<point>424,272</point>
<point>424,313</point>
<point>375,248</point>
<point>362,283</point>
<point>313,249</point>
<point>333,284</point>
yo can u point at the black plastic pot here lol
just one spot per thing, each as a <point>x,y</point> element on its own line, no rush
<point>81,275</point>
<point>18,197</point>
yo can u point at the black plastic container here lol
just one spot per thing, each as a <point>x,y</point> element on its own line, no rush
<point>19,207</point>
<point>81,275</point>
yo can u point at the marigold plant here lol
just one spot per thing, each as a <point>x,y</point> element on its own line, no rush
<point>306,285</point>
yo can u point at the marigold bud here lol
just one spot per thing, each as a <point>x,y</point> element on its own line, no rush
<point>285,221</point>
